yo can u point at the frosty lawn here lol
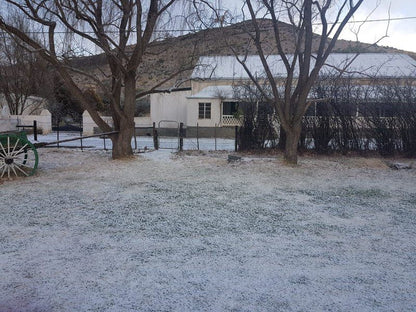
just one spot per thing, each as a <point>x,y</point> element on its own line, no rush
<point>162,232</point>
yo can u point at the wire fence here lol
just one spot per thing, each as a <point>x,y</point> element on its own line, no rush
<point>138,143</point>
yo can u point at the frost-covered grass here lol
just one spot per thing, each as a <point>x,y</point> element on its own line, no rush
<point>163,232</point>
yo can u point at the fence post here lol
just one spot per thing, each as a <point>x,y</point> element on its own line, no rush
<point>57,132</point>
<point>197,136</point>
<point>215,136</point>
<point>35,130</point>
<point>155,137</point>
<point>135,139</point>
<point>181,136</point>
<point>236,139</point>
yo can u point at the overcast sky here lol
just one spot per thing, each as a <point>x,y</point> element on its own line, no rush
<point>401,34</point>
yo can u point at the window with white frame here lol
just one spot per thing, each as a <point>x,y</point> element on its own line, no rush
<point>204,111</point>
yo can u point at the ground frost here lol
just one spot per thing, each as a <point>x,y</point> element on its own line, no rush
<point>164,232</point>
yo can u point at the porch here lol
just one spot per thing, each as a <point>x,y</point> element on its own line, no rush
<point>231,121</point>
<point>230,114</point>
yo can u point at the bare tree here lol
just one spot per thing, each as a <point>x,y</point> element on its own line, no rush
<point>302,60</point>
<point>121,29</point>
<point>21,73</point>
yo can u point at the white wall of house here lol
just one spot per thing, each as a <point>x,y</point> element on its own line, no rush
<point>44,121</point>
<point>88,125</point>
<point>7,123</point>
<point>215,93</point>
<point>169,106</point>
<point>193,112</point>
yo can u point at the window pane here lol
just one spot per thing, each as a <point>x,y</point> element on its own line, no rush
<point>201,111</point>
<point>226,108</point>
<point>229,108</point>
<point>208,110</point>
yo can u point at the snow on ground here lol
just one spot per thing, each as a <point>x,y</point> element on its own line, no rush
<point>192,232</point>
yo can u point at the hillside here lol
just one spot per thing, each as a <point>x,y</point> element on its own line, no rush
<point>168,56</point>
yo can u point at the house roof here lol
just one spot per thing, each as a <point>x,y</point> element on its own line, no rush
<point>380,65</point>
<point>226,92</point>
<point>214,92</point>
<point>369,92</point>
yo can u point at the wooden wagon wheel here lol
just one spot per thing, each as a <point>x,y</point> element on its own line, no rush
<point>18,157</point>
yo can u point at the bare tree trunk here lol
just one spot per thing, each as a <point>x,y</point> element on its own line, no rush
<point>292,141</point>
<point>122,140</point>
<point>125,123</point>
<point>282,139</point>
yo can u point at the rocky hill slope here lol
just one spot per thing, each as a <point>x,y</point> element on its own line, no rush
<point>180,54</point>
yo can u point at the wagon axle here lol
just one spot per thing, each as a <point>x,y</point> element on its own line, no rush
<point>8,161</point>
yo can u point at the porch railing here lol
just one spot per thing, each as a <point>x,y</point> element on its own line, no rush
<point>231,121</point>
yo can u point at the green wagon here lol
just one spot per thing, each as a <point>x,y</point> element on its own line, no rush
<point>18,157</point>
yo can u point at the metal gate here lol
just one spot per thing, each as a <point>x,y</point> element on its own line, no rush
<point>168,134</point>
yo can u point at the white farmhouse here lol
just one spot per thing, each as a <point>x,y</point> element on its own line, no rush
<point>211,100</point>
